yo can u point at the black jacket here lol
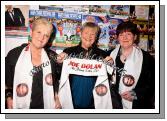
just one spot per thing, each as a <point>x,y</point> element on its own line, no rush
<point>145,88</point>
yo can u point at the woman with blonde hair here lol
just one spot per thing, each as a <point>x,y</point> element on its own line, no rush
<point>31,75</point>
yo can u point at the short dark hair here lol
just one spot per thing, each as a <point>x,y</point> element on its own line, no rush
<point>127,26</point>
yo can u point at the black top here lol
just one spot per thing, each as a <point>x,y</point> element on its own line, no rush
<point>10,62</point>
<point>37,91</point>
<point>116,98</point>
<point>120,66</point>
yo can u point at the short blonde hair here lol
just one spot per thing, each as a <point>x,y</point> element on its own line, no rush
<point>91,25</point>
<point>42,21</point>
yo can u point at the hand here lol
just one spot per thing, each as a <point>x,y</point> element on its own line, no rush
<point>61,57</point>
<point>127,96</point>
<point>57,102</point>
<point>109,60</point>
<point>9,102</point>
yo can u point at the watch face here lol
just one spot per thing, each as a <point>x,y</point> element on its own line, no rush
<point>48,79</point>
<point>101,90</point>
<point>22,90</point>
<point>128,80</point>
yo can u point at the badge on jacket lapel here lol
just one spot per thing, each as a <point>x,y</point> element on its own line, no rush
<point>22,90</point>
<point>101,90</point>
<point>128,80</point>
<point>48,79</point>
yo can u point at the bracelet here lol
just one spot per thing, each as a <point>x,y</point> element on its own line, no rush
<point>133,94</point>
<point>9,94</point>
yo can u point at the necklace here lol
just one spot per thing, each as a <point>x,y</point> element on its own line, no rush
<point>123,58</point>
<point>124,54</point>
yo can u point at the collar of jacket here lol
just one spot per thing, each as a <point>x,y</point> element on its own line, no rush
<point>94,46</point>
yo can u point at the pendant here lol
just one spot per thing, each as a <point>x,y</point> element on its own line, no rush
<point>123,58</point>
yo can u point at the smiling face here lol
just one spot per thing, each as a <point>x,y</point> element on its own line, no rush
<point>127,34</point>
<point>88,37</point>
<point>40,34</point>
<point>126,39</point>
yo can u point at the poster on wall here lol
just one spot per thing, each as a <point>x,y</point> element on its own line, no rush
<point>55,8</point>
<point>81,9</point>
<point>68,26</point>
<point>119,11</point>
<point>99,9</point>
<point>142,12</point>
<point>143,43</point>
<point>114,22</point>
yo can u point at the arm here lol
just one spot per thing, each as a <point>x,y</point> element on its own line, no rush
<point>10,62</point>
<point>145,89</point>
<point>56,72</point>
<point>9,74</point>
<point>57,102</point>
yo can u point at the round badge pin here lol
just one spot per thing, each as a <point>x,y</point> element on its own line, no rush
<point>128,80</point>
<point>48,79</point>
<point>101,90</point>
<point>22,90</point>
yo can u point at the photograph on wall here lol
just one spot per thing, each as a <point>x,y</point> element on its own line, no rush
<point>16,17</point>
<point>16,20</point>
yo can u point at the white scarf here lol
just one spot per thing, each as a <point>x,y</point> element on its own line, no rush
<point>133,66</point>
<point>101,102</point>
<point>23,75</point>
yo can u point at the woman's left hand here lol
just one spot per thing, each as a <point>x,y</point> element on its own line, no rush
<point>57,102</point>
<point>127,96</point>
<point>109,60</point>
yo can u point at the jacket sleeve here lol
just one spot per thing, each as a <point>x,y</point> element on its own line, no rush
<point>10,62</point>
<point>9,74</point>
<point>145,88</point>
